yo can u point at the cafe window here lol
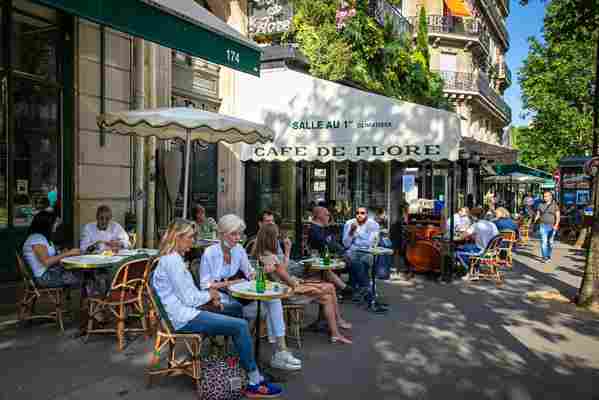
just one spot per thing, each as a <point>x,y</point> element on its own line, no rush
<point>36,149</point>
<point>30,113</point>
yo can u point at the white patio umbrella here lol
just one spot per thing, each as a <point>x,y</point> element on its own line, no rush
<point>187,124</point>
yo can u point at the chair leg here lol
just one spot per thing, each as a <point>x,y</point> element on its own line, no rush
<point>120,328</point>
<point>59,302</point>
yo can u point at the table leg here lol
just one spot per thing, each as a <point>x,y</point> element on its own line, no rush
<point>257,341</point>
<point>374,305</point>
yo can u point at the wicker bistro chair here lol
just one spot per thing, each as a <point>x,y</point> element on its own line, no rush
<point>487,264</point>
<point>507,245</point>
<point>166,336</point>
<point>294,312</point>
<point>125,299</point>
<point>32,293</point>
<point>523,231</point>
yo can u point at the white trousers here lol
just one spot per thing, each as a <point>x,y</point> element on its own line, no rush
<point>271,309</point>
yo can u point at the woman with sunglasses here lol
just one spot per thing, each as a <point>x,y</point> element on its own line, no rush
<point>182,300</point>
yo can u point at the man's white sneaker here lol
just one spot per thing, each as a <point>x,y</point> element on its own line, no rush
<point>285,360</point>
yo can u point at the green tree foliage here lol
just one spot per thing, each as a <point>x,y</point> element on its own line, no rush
<point>555,81</point>
<point>364,52</point>
<point>422,38</point>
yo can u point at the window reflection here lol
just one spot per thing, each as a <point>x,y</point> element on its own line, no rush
<point>37,141</point>
<point>35,46</point>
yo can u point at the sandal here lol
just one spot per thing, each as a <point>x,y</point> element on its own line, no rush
<point>340,340</point>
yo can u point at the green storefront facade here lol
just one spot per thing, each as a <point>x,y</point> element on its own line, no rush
<point>38,103</point>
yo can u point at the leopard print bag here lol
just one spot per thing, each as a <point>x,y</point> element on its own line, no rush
<point>222,378</point>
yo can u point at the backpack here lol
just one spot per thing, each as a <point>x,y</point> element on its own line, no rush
<point>222,378</point>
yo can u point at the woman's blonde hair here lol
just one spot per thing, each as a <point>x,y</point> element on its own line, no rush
<point>177,228</point>
<point>501,212</point>
<point>266,240</point>
<point>230,223</point>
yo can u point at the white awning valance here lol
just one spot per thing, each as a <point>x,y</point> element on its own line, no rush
<point>319,120</point>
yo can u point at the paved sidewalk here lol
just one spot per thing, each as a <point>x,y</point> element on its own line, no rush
<point>457,341</point>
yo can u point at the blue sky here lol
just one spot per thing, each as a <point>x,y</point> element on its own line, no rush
<point>523,22</point>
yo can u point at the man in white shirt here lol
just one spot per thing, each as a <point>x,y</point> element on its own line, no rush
<point>103,234</point>
<point>482,231</point>
<point>360,232</point>
<point>461,220</point>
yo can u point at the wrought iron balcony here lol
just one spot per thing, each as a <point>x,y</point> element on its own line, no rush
<point>497,19</point>
<point>504,74</point>
<point>466,28</point>
<point>476,84</point>
<point>504,7</point>
<point>381,10</point>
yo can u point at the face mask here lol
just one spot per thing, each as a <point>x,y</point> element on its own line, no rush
<point>227,245</point>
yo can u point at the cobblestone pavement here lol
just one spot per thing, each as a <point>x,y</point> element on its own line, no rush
<point>456,341</point>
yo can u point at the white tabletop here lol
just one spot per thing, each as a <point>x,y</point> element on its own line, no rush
<point>91,261</point>
<point>377,251</point>
<point>318,264</point>
<point>247,290</point>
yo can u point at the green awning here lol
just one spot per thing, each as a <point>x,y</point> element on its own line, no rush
<point>520,169</point>
<point>548,184</point>
<point>182,25</point>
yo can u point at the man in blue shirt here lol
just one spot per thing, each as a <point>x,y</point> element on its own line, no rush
<point>360,232</point>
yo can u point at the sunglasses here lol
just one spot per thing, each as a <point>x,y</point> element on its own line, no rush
<point>360,213</point>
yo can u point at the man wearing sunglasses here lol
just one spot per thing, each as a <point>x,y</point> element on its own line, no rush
<point>360,232</point>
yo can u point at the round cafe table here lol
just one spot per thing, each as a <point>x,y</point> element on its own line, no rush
<point>91,263</point>
<point>376,252</point>
<point>317,264</point>
<point>247,290</point>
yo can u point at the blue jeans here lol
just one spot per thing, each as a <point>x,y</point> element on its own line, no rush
<point>360,265</point>
<point>214,324</point>
<point>547,233</point>
<point>463,254</point>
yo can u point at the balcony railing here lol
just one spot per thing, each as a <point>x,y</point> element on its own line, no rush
<point>504,5</point>
<point>504,73</point>
<point>474,82</point>
<point>381,10</point>
<point>447,24</point>
<point>497,18</point>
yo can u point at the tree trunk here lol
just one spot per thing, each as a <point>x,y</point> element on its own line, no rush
<point>587,287</point>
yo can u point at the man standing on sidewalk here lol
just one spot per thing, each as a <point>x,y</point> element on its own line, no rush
<point>548,216</point>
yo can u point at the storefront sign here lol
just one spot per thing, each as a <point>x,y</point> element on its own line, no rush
<point>336,124</point>
<point>270,17</point>
<point>343,152</point>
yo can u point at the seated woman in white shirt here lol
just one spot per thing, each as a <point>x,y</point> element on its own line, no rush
<point>103,234</point>
<point>265,250</point>
<point>226,263</point>
<point>182,300</point>
<point>41,255</point>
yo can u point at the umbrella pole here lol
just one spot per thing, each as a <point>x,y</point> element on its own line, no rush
<point>187,166</point>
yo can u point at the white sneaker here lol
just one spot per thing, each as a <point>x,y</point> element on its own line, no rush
<point>285,360</point>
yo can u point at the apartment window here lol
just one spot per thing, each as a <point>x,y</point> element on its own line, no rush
<point>448,62</point>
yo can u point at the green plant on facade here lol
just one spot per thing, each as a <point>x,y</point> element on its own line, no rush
<point>365,53</point>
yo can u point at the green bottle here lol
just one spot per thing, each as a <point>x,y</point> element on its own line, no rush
<point>326,259</point>
<point>260,279</point>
